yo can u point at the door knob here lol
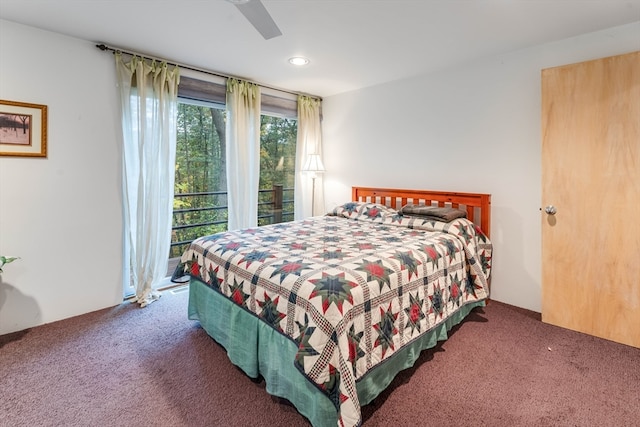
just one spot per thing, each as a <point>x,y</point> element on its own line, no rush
<point>551,210</point>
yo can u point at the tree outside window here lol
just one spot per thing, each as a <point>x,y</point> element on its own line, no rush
<point>200,204</point>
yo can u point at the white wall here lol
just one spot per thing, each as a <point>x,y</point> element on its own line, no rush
<point>62,215</point>
<point>473,128</point>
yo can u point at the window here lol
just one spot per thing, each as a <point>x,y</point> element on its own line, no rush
<point>200,203</point>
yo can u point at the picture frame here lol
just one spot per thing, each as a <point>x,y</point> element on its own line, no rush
<point>23,129</point>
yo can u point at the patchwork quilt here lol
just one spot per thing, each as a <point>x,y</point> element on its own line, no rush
<point>349,288</point>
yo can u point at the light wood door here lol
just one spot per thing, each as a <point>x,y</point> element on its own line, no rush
<point>591,175</point>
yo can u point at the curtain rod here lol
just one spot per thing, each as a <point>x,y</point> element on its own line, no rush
<point>104,47</point>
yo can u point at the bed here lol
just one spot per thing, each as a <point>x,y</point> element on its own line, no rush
<point>329,309</point>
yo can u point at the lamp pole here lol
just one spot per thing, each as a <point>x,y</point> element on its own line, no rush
<point>313,193</point>
<point>313,165</point>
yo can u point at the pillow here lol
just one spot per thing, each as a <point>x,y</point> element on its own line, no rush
<point>363,210</point>
<point>435,213</point>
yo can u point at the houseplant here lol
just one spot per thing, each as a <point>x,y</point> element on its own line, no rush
<point>6,260</point>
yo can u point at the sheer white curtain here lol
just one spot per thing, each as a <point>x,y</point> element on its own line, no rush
<point>309,142</point>
<point>148,93</point>
<point>243,153</point>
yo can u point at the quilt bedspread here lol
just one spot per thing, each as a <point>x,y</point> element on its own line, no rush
<point>349,288</point>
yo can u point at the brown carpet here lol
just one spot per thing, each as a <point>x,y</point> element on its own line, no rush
<point>128,366</point>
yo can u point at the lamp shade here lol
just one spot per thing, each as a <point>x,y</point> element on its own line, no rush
<point>313,164</point>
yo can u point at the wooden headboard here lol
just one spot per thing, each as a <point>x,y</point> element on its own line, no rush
<point>478,206</point>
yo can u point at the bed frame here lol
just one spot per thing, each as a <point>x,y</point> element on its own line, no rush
<point>477,205</point>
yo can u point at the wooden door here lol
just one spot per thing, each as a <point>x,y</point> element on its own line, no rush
<point>591,175</point>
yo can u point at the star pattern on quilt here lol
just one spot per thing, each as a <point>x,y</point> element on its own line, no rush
<point>465,233</point>
<point>414,312</point>
<point>271,238</point>
<point>270,312</point>
<point>282,226</point>
<point>407,262</point>
<point>386,329</point>
<point>392,239</point>
<point>485,261</point>
<point>351,207</point>
<point>330,239</point>
<point>413,233</point>
<point>214,280</point>
<point>231,246</point>
<point>336,254</point>
<point>360,247</point>
<point>290,267</point>
<point>305,347</point>
<point>452,249</point>
<point>259,256</point>
<point>470,287</point>
<point>192,266</point>
<point>437,302</point>
<point>355,352</point>
<point>252,231</point>
<point>212,238</point>
<point>333,289</point>
<point>237,293</point>
<point>298,246</point>
<point>433,254</point>
<point>373,212</point>
<point>304,327</point>
<point>396,218</point>
<point>455,293</point>
<point>377,271</point>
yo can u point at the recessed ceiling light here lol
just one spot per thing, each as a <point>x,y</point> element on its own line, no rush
<point>238,1</point>
<point>298,60</point>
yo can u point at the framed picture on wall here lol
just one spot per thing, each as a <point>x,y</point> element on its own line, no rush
<point>23,129</point>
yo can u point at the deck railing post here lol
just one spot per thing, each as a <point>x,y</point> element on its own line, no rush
<point>277,203</point>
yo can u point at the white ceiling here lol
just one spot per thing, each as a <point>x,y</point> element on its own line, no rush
<point>351,43</point>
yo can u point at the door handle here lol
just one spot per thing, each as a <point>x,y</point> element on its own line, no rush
<point>551,210</point>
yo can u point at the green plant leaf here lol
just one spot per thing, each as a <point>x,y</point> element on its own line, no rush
<point>6,260</point>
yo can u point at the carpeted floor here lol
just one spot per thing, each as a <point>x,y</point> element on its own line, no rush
<point>127,366</point>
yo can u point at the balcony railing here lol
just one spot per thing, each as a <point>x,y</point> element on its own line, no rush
<point>207,213</point>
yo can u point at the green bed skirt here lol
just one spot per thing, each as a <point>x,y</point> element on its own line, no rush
<point>258,349</point>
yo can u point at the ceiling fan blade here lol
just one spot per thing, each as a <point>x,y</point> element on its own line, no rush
<point>257,14</point>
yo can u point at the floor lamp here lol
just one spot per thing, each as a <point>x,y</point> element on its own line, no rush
<point>313,166</point>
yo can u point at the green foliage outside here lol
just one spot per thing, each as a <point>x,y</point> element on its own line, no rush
<point>200,180</point>
<point>277,164</point>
